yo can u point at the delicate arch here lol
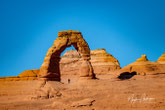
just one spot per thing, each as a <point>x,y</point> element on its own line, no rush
<point>50,69</point>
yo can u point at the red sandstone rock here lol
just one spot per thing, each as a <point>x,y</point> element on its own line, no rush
<point>50,68</point>
<point>144,67</point>
<point>26,75</point>
<point>69,63</point>
<point>29,73</point>
<point>101,61</point>
<point>162,58</point>
<point>143,58</point>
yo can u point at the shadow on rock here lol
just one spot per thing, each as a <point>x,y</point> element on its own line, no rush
<point>126,75</point>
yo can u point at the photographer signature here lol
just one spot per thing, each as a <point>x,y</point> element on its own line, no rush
<point>140,98</point>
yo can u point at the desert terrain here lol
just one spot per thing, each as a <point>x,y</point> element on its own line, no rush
<point>105,93</point>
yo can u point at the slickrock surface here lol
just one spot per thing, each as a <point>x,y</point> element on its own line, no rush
<point>145,67</point>
<point>101,61</point>
<point>107,93</point>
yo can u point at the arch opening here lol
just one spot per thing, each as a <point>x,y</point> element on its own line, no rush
<point>68,49</point>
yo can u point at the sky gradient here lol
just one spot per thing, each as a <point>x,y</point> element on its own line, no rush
<point>125,28</point>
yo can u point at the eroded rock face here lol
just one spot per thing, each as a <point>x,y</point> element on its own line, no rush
<point>69,63</point>
<point>101,61</point>
<point>143,66</point>
<point>143,58</point>
<point>26,75</point>
<point>50,69</point>
<point>29,73</point>
<point>162,58</point>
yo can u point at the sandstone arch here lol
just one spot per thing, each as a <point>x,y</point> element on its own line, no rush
<point>50,69</point>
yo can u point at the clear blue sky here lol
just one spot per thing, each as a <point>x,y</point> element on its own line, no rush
<point>125,28</point>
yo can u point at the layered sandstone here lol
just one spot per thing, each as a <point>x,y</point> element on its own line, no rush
<point>26,75</point>
<point>101,61</point>
<point>29,73</point>
<point>162,58</point>
<point>70,62</point>
<point>143,66</point>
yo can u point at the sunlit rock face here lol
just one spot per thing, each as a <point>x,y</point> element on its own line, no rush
<point>161,59</point>
<point>50,69</point>
<point>143,66</point>
<point>143,58</point>
<point>24,76</point>
<point>102,62</point>
<point>70,63</point>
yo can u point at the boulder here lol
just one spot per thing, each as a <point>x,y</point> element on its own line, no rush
<point>84,102</point>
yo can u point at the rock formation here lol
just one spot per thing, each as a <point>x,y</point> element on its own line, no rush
<point>50,69</point>
<point>84,62</point>
<point>162,58</point>
<point>29,73</point>
<point>143,58</point>
<point>70,62</point>
<point>26,75</point>
<point>84,102</point>
<point>102,62</point>
<point>143,66</point>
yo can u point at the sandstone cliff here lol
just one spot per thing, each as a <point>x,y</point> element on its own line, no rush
<point>26,75</point>
<point>70,62</point>
<point>143,66</point>
<point>101,61</point>
<point>162,58</point>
